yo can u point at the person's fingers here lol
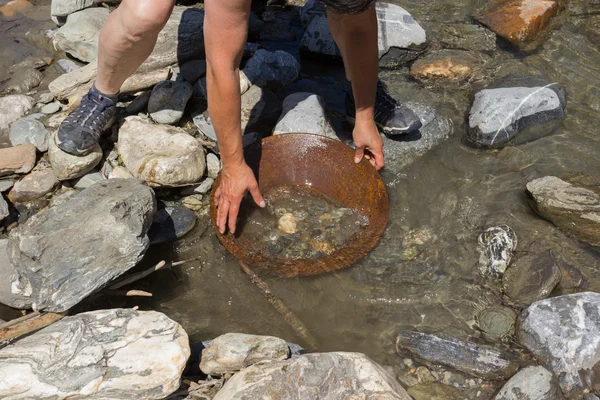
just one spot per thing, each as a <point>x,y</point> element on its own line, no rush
<point>360,152</point>
<point>234,208</point>
<point>218,196</point>
<point>379,161</point>
<point>222,215</point>
<point>258,199</point>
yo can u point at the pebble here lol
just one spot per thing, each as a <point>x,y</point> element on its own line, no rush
<point>29,131</point>
<point>213,165</point>
<point>287,223</point>
<point>51,108</point>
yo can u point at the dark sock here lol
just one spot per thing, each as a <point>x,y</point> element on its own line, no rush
<point>113,97</point>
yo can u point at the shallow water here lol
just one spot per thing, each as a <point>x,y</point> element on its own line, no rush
<point>423,275</point>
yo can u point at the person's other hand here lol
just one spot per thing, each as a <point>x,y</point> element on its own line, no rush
<point>368,142</point>
<point>235,180</point>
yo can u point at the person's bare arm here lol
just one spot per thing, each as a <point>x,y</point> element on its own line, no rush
<point>225,31</point>
<point>356,36</point>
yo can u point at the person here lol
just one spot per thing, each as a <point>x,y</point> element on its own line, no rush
<point>130,34</point>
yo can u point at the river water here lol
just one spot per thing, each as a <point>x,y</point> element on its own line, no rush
<point>423,275</point>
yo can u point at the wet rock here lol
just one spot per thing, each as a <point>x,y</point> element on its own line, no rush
<point>510,105</point>
<point>5,185</point>
<point>213,165</point>
<point>62,8</point>
<point>563,333</point>
<point>318,39</point>
<point>23,80</point>
<point>51,108</point>
<point>104,229</point>
<point>104,353</point>
<point>35,185</point>
<point>161,155</point>
<point>446,64</point>
<point>472,359</point>
<point>435,391</point>
<point>88,180</point>
<point>171,223</point>
<point>318,375</point>
<point>79,36</point>
<point>168,100</point>
<point>232,352</point>
<point>272,68</point>
<point>17,160</point>
<point>139,104</point>
<point>496,248</point>
<point>193,70</point>
<point>467,37</point>
<point>402,150</point>
<point>67,166</point>
<point>4,210</point>
<point>522,22</point>
<point>31,131</point>
<point>304,112</point>
<point>573,209</point>
<point>531,383</point>
<point>497,322</point>
<point>14,107</point>
<point>531,278</point>
<point>572,278</point>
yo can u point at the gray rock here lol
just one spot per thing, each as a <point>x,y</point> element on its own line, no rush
<point>573,209</point>
<point>68,65</point>
<point>325,376</point>
<point>139,104</point>
<point>318,39</point>
<point>309,10</point>
<point>45,98</point>
<point>402,150</point>
<point>79,36</point>
<point>497,322</point>
<point>88,180</point>
<point>51,108</point>
<point>4,211</point>
<point>563,333</point>
<point>168,100</point>
<point>5,185</point>
<point>255,25</point>
<point>398,29</point>
<point>204,125</point>
<point>35,185</point>
<point>514,103</point>
<point>472,359</point>
<point>531,278</point>
<point>232,352</point>
<point>496,248</point>
<point>62,8</point>
<point>14,107</point>
<point>17,160</point>
<point>23,80</point>
<point>161,155</point>
<point>97,355</point>
<point>29,131</point>
<point>69,251</point>
<point>171,223</point>
<point>304,112</point>
<point>193,70</point>
<point>67,166</point>
<point>202,188</point>
<point>531,383</point>
<point>6,271</point>
<point>272,68</point>
<point>213,165</point>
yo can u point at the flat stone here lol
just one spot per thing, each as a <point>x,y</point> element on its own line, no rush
<point>45,98</point>
<point>51,108</point>
<point>497,245</point>
<point>314,376</point>
<point>563,333</point>
<point>446,64</point>
<point>31,131</point>
<point>139,104</point>
<point>161,155</point>
<point>213,165</point>
<point>5,185</point>
<point>232,352</point>
<point>472,359</point>
<point>531,278</point>
<point>104,229</point>
<point>24,80</point>
<point>435,391</point>
<point>573,209</point>
<point>14,107</point>
<point>510,105</point>
<point>105,355</point>
<point>4,211</point>
<point>469,37</point>
<point>497,322</point>
<point>68,65</point>
<point>521,22</point>
<point>36,185</point>
<point>304,112</point>
<point>88,180</point>
<point>168,100</point>
<point>67,166</point>
<point>62,8</point>
<point>17,160</point>
<point>171,223</point>
<point>79,36</point>
<point>193,70</point>
<point>272,68</point>
<point>531,383</point>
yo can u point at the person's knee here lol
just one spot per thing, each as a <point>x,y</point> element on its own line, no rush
<point>145,17</point>
<point>348,6</point>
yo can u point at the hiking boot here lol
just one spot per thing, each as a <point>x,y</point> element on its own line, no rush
<point>391,117</point>
<point>81,131</point>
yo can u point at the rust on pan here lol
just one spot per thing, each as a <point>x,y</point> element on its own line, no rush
<point>328,166</point>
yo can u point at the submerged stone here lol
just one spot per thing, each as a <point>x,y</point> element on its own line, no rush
<point>171,223</point>
<point>435,391</point>
<point>531,383</point>
<point>531,278</point>
<point>497,322</point>
<point>446,64</point>
<point>496,248</point>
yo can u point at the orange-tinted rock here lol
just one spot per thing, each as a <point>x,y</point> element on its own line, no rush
<point>13,7</point>
<point>17,160</point>
<point>445,64</point>
<point>522,22</point>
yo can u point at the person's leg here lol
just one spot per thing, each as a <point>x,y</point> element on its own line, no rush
<point>126,40</point>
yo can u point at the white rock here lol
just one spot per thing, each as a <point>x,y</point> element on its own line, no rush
<point>14,107</point>
<point>67,166</point>
<point>119,172</point>
<point>531,383</point>
<point>213,164</point>
<point>79,36</point>
<point>304,112</point>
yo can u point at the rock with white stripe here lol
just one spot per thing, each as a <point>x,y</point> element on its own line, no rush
<point>510,105</point>
<point>116,354</point>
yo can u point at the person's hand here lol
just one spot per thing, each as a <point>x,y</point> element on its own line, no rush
<point>235,180</point>
<point>368,142</point>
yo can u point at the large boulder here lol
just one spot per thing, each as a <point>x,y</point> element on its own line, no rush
<point>232,352</point>
<point>563,333</point>
<point>324,376</point>
<point>69,251</point>
<point>272,68</point>
<point>304,112</point>
<point>17,160</point>
<point>161,155</point>
<point>14,107</point>
<point>510,105</point>
<point>573,209</point>
<point>79,36</point>
<point>113,354</point>
<point>531,383</point>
